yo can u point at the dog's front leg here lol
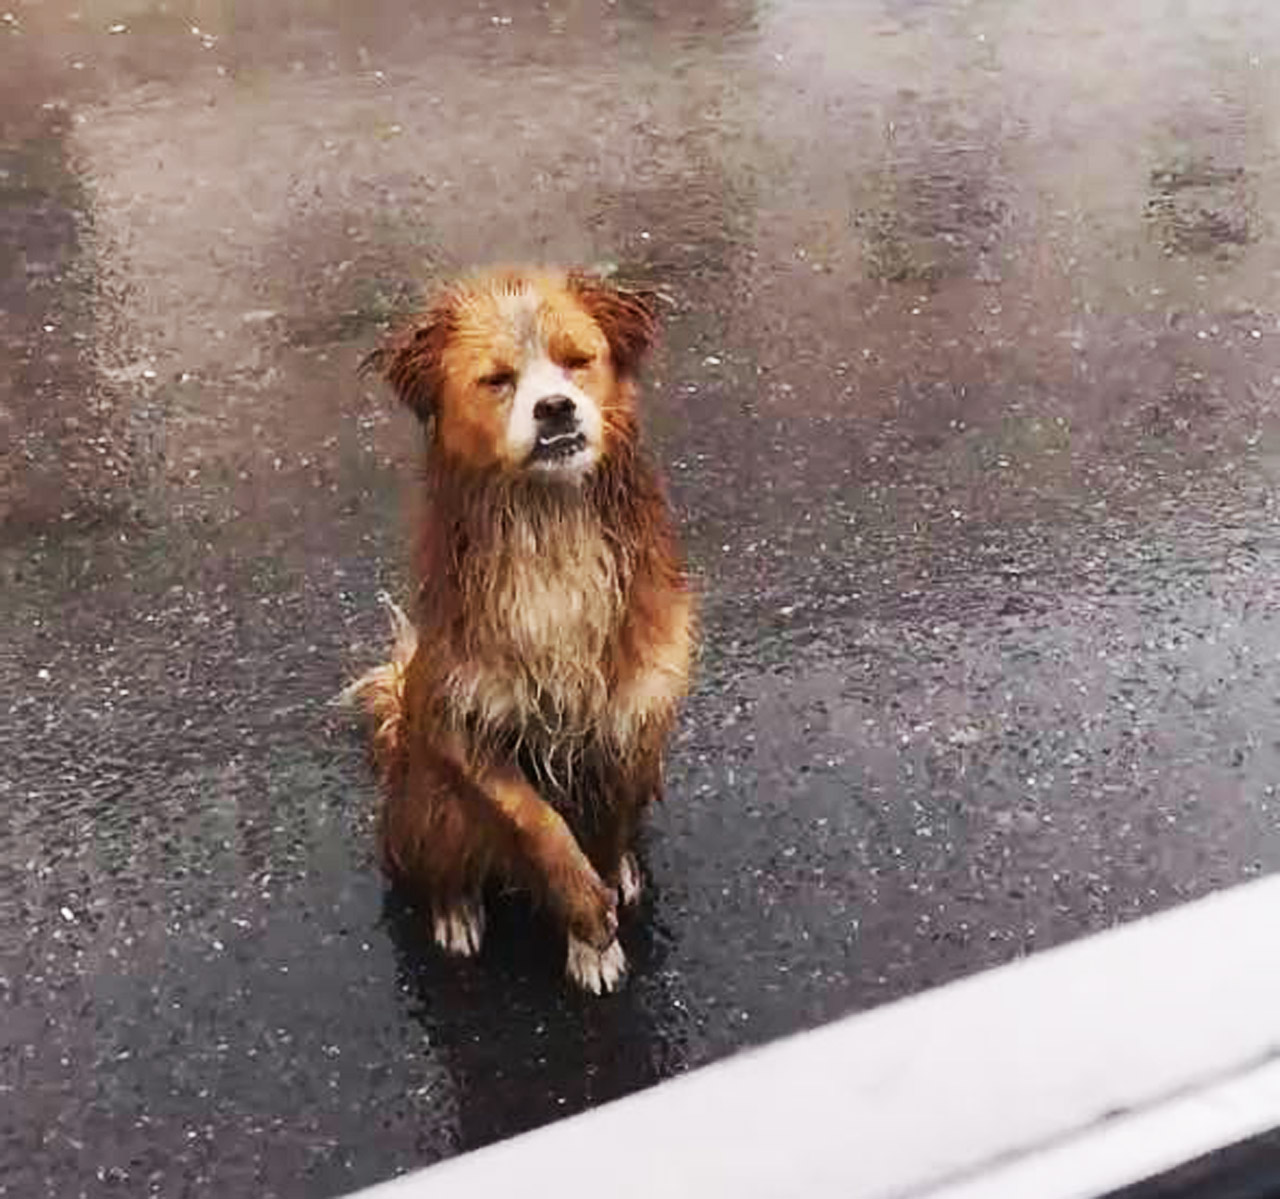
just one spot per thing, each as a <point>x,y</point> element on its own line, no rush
<point>565,876</point>
<point>629,784</point>
<point>553,861</point>
<point>491,820</point>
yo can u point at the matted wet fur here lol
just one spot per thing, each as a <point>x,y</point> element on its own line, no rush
<point>520,725</point>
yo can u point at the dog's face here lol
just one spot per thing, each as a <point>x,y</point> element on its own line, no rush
<point>524,371</point>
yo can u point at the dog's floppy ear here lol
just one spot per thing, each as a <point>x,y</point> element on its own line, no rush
<point>626,317</point>
<point>411,360</point>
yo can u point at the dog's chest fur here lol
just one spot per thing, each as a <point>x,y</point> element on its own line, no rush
<point>540,607</point>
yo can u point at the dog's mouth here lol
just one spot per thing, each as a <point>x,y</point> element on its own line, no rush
<point>554,448</point>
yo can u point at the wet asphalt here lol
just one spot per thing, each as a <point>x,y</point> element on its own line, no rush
<point>967,401</point>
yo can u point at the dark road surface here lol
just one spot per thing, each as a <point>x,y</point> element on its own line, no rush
<point>968,404</point>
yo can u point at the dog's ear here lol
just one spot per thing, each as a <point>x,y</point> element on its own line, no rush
<point>627,318</point>
<point>411,359</point>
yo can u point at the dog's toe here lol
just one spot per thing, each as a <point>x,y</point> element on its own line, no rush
<point>629,883</point>
<point>599,971</point>
<point>459,928</point>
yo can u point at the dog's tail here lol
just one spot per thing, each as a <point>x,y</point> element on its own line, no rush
<point>379,692</point>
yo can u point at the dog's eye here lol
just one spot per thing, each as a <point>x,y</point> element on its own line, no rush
<point>577,362</point>
<point>498,380</point>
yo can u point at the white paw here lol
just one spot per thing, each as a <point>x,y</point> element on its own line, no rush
<point>629,884</point>
<point>459,929</point>
<point>595,970</point>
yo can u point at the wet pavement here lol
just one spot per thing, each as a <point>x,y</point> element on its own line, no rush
<point>968,404</point>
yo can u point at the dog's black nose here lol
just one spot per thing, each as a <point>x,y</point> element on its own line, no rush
<point>554,410</point>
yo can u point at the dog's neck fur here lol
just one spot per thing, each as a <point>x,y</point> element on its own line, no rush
<point>527,581</point>
<point>482,527</point>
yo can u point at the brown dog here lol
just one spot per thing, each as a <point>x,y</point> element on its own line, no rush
<point>521,723</point>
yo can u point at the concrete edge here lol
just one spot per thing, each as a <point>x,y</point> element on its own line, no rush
<point>1128,1149</point>
<point>1093,1065</point>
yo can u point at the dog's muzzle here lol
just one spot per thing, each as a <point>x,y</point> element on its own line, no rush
<point>557,428</point>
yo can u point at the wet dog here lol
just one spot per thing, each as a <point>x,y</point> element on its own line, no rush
<point>520,726</point>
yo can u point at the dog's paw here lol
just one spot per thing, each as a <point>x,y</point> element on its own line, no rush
<point>599,971</point>
<point>459,928</point>
<point>629,881</point>
<point>589,910</point>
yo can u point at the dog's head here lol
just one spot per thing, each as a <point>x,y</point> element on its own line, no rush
<point>524,371</point>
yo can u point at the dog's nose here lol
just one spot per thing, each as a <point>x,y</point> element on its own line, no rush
<point>554,410</point>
